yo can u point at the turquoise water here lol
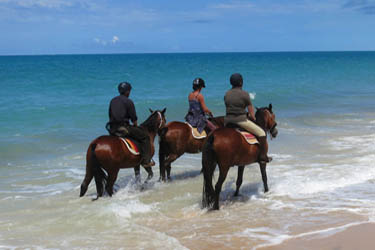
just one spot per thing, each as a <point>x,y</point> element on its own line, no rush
<point>51,107</point>
<point>57,100</point>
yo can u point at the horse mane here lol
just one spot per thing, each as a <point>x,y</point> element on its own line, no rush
<point>151,123</point>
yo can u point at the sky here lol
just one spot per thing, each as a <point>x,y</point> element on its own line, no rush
<point>30,27</point>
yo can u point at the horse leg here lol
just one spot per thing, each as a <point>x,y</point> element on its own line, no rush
<point>112,176</point>
<point>137,173</point>
<point>162,157</point>
<point>239,179</point>
<point>262,166</point>
<point>150,174</point>
<point>167,166</point>
<point>219,184</point>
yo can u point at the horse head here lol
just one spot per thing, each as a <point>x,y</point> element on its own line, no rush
<point>266,119</point>
<point>156,120</point>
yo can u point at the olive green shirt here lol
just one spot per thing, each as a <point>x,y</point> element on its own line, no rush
<point>236,101</point>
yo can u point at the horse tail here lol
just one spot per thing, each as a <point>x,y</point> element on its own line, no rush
<point>99,174</point>
<point>209,162</point>
<point>163,150</point>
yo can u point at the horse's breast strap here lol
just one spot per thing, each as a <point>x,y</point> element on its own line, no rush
<point>250,138</point>
<point>196,134</point>
<point>130,145</point>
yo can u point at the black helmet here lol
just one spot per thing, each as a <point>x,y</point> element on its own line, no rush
<point>124,87</point>
<point>198,83</point>
<point>236,80</point>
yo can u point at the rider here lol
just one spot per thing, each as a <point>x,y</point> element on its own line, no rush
<point>236,102</point>
<point>121,112</point>
<point>197,108</point>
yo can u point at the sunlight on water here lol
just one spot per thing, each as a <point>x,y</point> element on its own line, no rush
<point>321,178</point>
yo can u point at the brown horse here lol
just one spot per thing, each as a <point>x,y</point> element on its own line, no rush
<point>226,147</point>
<point>110,154</point>
<point>175,140</point>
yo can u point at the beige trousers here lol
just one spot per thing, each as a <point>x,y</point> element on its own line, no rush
<point>252,128</point>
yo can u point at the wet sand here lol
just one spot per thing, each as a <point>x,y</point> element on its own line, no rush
<point>359,237</point>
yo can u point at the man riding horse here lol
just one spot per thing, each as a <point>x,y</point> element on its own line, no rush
<point>236,102</point>
<point>121,112</point>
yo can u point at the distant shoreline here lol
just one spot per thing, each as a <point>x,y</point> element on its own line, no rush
<point>171,53</point>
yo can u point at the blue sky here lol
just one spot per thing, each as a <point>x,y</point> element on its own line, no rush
<point>143,26</point>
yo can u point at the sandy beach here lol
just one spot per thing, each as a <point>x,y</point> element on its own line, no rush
<point>353,238</point>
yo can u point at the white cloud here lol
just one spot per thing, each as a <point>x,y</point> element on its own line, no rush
<point>115,39</point>
<point>100,41</point>
<point>50,4</point>
<point>232,6</point>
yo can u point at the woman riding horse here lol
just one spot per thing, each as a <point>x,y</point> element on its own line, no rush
<point>176,138</point>
<point>197,108</point>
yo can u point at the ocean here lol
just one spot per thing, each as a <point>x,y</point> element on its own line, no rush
<point>321,179</point>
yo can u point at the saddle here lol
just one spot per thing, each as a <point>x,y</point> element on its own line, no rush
<point>131,145</point>
<point>250,138</point>
<point>196,134</point>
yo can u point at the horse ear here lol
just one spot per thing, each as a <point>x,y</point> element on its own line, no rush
<point>163,111</point>
<point>270,107</point>
<point>151,111</point>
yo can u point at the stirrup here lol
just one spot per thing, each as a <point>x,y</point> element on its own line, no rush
<point>150,164</point>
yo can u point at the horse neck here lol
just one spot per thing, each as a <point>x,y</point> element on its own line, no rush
<point>149,131</point>
<point>261,122</point>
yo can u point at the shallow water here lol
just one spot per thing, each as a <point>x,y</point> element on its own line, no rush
<point>321,179</point>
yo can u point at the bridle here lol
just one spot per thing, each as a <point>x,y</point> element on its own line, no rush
<point>161,119</point>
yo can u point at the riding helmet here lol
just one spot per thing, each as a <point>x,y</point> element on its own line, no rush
<point>199,82</point>
<point>124,87</point>
<point>236,80</point>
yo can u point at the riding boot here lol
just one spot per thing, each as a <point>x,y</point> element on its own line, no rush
<point>263,146</point>
<point>146,153</point>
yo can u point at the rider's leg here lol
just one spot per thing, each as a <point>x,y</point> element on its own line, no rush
<point>261,136</point>
<point>141,136</point>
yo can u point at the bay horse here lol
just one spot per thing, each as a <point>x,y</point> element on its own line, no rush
<point>175,139</point>
<point>226,148</point>
<point>109,153</point>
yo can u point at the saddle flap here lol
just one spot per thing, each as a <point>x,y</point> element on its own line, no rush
<point>196,134</point>
<point>131,145</point>
<point>250,138</point>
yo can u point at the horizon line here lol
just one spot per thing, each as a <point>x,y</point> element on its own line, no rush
<point>207,52</point>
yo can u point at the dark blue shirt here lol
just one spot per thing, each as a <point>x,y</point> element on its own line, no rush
<point>121,110</point>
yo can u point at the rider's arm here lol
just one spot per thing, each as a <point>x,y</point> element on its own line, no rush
<point>250,109</point>
<point>203,104</point>
<point>132,113</point>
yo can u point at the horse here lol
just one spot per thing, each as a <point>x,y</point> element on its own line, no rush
<point>108,153</point>
<point>175,139</point>
<point>226,147</point>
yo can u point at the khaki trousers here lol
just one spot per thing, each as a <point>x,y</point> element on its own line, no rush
<point>252,128</point>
